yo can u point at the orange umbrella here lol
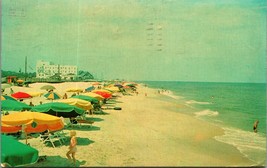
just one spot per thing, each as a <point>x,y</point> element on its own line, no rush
<point>104,94</point>
<point>34,122</point>
<point>102,90</point>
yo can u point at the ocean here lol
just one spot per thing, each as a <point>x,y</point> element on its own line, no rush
<point>232,106</point>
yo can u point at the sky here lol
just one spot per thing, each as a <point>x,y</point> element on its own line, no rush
<point>159,40</point>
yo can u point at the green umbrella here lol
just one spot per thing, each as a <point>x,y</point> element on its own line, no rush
<point>6,97</point>
<point>11,105</point>
<point>47,87</point>
<point>52,96</point>
<point>87,98</point>
<point>16,153</point>
<point>59,109</point>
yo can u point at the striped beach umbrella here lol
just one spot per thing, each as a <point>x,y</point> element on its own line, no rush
<point>6,97</point>
<point>87,98</point>
<point>91,94</point>
<point>52,96</point>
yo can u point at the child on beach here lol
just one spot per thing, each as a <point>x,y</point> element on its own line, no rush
<point>72,147</point>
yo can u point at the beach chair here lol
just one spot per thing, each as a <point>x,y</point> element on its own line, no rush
<point>61,135</point>
<point>51,138</point>
<point>82,120</point>
<point>67,122</point>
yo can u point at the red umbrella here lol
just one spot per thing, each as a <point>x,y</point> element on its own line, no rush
<point>104,94</point>
<point>21,95</point>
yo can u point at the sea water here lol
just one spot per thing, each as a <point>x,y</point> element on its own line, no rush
<point>232,106</point>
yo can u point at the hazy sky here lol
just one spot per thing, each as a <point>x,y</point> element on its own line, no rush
<point>182,40</point>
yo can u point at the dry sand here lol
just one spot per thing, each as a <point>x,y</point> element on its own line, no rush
<point>146,132</point>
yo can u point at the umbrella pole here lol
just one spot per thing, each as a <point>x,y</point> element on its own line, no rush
<point>25,133</point>
<point>26,138</point>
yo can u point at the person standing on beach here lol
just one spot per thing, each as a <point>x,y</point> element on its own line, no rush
<point>255,126</point>
<point>72,147</point>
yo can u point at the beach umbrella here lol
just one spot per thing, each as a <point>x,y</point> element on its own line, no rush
<point>5,85</point>
<point>47,87</point>
<point>21,95</point>
<point>20,81</point>
<point>131,85</point>
<point>90,88</point>
<point>30,122</point>
<point>104,94</point>
<point>6,97</point>
<point>11,105</point>
<point>15,153</point>
<point>52,96</point>
<point>34,122</point>
<point>74,90</point>
<point>102,90</point>
<point>97,96</point>
<point>59,109</point>
<point>87,98</point>
<point>35,94</point>
<point>118,85</point>
<point>112,89</point>
<point>83,104</point>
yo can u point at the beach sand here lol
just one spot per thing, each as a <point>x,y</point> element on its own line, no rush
<point>146,132</point>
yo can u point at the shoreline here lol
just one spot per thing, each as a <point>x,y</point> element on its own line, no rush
<point>144,133</point>
<point>227,130</point>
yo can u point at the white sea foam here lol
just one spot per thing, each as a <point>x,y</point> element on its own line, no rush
<point>251,144</point>
<point>206,113</point>
<point>171,94</point>
<point>196,102</point>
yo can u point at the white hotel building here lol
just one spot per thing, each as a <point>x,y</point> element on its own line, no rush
<point>48,69</point>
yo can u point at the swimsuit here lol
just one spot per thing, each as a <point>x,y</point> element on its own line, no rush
<point>73,149</point>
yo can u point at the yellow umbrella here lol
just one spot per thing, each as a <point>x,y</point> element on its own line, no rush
<point>113,88</point>
<point>35,94</point>
<point>20,80</point>
<point>86,105</point>
<point>74,90</point>
<point>31,122</point>
<point>93,95</point>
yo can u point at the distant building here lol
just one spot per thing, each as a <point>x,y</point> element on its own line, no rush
<point>46,69</point>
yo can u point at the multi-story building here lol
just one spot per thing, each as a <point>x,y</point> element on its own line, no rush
<point>46,69</point>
